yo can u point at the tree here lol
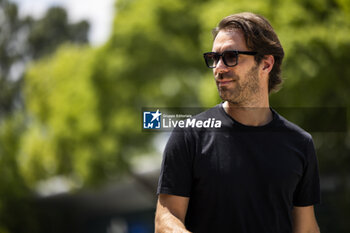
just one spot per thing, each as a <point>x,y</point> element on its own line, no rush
<point>23,40</point>
<point>120,81</point>
<point>11,48</point>
<point>52,30</point>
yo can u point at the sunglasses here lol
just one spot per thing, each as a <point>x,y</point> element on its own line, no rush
<point>230,57</point>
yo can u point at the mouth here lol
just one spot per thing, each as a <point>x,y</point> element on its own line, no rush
<point>223,82</point>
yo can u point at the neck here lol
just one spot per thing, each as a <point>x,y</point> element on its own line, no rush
<point>258,115</point>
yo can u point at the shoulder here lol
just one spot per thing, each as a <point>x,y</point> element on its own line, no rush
<point>282,124</point>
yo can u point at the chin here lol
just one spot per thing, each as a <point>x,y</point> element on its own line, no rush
<point>230,99</point>
<point>226,96</point>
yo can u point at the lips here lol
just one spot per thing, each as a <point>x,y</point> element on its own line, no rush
<point>224,82</point>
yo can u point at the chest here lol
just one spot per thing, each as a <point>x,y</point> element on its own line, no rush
<point>249,160</point>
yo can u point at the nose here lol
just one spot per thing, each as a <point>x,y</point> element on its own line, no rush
<point>220,68</point>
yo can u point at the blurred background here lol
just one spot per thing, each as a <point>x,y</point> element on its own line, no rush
<point>74,76</point>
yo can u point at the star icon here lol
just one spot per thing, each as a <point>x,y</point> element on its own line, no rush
<point>156,115</point>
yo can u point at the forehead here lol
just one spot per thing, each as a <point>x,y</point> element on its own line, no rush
<point>229,40</point>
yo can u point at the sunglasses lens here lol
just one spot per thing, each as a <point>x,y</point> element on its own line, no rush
<point>211,59</point>
<point>230,58</point>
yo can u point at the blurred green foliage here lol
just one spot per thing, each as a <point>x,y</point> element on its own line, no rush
<point>25,39</point>
<point>82,117</point>
<point>21,41</point>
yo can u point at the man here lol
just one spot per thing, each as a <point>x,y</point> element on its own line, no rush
<point>259,173</point>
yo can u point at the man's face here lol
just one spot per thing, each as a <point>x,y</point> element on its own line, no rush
<point>240,84</point>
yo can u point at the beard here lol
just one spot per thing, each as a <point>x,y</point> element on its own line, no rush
<point>245,89</point>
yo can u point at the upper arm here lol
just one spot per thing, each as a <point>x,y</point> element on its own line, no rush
<point>177,164</point>
<point>308,192</point>
<point>176,205</point>
<point>304,220</point>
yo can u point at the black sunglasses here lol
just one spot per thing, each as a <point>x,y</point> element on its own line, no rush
<point>230,57</point>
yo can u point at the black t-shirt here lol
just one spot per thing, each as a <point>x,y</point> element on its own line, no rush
<point>241,179</point>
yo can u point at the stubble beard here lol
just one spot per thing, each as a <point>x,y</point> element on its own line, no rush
<point>243,93</point>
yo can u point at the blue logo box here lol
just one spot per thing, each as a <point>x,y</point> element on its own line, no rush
<point>152,120</point>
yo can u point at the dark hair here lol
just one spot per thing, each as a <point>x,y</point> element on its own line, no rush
<point>260,37</point>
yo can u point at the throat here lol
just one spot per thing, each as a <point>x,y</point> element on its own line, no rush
<point>249,116</point>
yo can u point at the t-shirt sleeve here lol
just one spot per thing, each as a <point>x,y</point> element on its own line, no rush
<point>176,171</point>
<point>308,189</point>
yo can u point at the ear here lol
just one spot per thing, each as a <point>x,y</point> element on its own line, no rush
<point>267,64</point>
